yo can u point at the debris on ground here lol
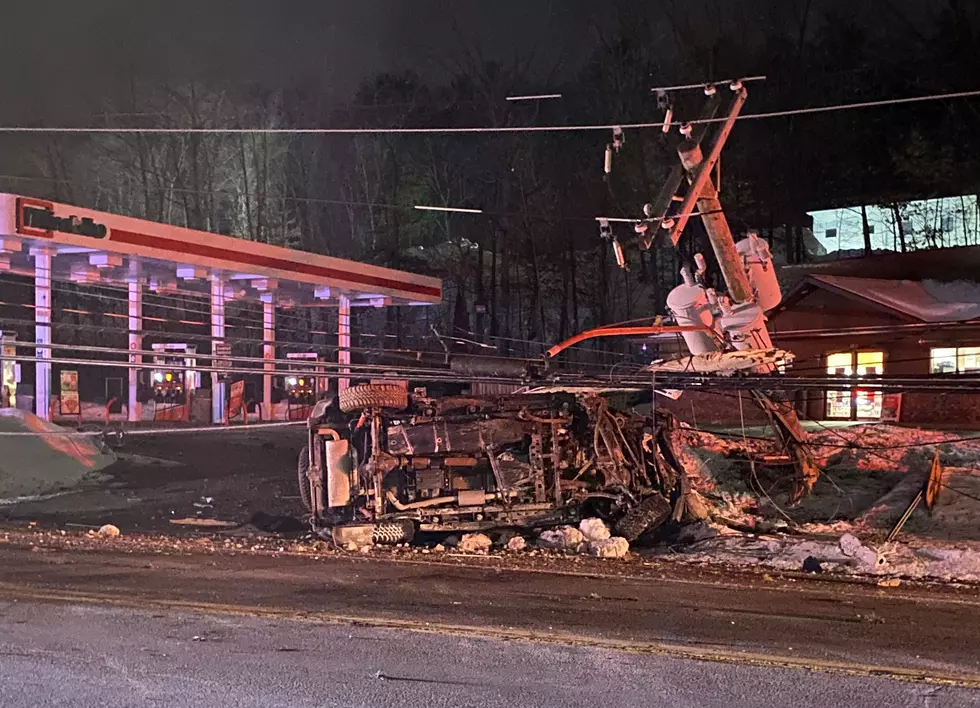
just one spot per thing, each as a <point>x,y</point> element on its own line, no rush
<point>516,543</point>
<point>594,529</point>
<point>812,565</point>
<point>871,473</point>
<point>695,506</point>
<point>562,538</point>
<point>696,532</point>
<point>204,523</point>
<point>356,535</point>
<point>615,547</point>
<point>474,543</point>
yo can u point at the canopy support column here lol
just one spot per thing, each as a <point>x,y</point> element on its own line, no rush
<point>343,342</point>
<point>42,330</point>
<point>268,351</point>
<point>217,338</point>
<point>135,325</point>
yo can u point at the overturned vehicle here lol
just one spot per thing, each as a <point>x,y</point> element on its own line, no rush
<point>381,460</point>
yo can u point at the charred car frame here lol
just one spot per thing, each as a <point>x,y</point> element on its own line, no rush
<point>396,463</point>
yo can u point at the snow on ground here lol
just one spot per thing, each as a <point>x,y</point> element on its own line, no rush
<point>907,560</point>
<point>871,475</point>
<point>38,458</point>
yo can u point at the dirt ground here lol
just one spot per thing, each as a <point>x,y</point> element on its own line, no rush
<point>158,478</point>
<point>232,476</point>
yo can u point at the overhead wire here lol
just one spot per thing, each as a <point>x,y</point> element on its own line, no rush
<point>336,202</point>
<point>449,130</point>
<point>239,322</point>
<point>848,443</point>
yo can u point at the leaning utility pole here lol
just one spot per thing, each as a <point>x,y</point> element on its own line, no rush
<point>716,328</point>
<point>703,193</point>
<point>742,319</point>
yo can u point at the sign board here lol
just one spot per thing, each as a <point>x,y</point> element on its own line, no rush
<point>891,407</point>
<point>69,393</point>
<point>9,371</point>
<point>36,217</point>
<point>934,482</point>
<point>236,403</point>
<point>222,358</point>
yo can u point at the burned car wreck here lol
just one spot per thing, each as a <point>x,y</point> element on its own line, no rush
<point>394,463</point>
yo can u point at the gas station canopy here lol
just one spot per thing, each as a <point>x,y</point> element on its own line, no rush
<point>50,242</point>
<point>95,247</point>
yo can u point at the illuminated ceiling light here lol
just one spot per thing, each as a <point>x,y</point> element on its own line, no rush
<point>533,97</point>
<point>458,210</point>
<point>10,245</point>
<point>105,260</point>
<point>192,273</point>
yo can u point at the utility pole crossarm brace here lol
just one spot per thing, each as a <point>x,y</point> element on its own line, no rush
<point>703,175</point>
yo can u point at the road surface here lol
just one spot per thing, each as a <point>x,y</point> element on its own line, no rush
<point>83,655</point>
<point>107,628</point>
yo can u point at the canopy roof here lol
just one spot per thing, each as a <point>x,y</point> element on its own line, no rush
<point>96,247</point>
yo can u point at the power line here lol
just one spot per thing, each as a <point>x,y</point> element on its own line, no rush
<point>329,202</point>
<point>483,129</point>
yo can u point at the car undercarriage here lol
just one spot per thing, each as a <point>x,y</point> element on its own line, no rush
<point>397,463</point>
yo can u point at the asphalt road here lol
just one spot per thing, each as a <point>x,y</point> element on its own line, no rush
<point>84,655</point>
<point>691,637</point>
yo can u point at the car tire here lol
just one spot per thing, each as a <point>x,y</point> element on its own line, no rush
<point>365,396</point>
<point>648,514</point>
<point>302,470</point>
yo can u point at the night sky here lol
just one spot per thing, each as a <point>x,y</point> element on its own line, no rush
<point>59,63</point>
<point>60,60</point>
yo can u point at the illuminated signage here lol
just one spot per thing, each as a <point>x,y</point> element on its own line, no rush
<point>36,217</point>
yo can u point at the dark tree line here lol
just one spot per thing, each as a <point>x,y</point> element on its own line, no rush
<point>531,267</point>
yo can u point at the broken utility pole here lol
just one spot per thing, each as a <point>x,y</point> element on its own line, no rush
<point>742,320</point>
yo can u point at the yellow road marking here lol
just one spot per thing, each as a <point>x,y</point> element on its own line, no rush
<point>15,592</point>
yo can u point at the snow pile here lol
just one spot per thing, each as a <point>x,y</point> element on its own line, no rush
<point>594,529</point>
<point>591,537</point>
<point>615,547</point>
<point>46,461</point>
<point>562,538</point>
<point>516,543</point>
<point>108,531</point>
<point>866,558</point>
<point>474,543</point>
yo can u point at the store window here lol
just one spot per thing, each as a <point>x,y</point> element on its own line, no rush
<point>857,404</point>
<point>953,360</point>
